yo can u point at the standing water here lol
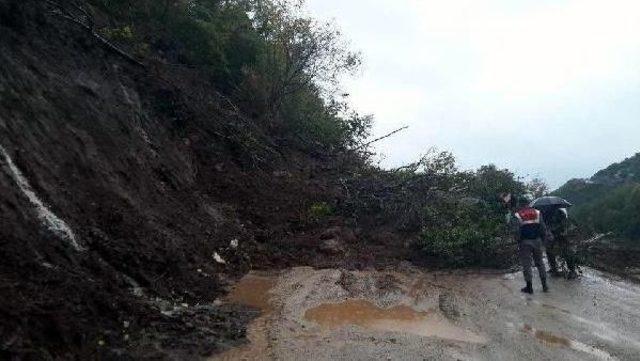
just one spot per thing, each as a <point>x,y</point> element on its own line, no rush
<point>402,319</point>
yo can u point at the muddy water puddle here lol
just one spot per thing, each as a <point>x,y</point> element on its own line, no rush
<point>553,340</point>
<point>253,291</point>
<point>401,319</point>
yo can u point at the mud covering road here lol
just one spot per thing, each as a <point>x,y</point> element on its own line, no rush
<point>408,314</point>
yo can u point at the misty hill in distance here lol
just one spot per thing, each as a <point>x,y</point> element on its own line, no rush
<point>609,201</point>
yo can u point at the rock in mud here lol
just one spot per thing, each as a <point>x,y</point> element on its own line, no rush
<point>332,246</point>
<point>347,280</point>
<point>448,305</point>
<point>387,283</point>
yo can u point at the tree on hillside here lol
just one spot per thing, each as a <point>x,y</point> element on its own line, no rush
<point>537,187</point>
<point>267,57</point>
<point>489,182</point>
<point>302,54</point>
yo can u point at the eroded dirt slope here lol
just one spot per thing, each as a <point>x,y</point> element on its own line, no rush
<point>149,169</point>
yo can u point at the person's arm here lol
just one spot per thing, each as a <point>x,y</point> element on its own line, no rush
<point>514,227</point>
<point>546,233</point>
<point>565,225</point>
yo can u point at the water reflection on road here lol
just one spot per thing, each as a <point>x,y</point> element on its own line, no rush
<point>411,314</point>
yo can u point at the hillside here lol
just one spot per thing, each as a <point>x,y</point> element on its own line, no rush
<point>619,173</point>
<point>610,200</point>
<point>128,175</point>
<point>154,152</point>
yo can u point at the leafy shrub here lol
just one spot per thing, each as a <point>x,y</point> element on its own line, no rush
<point>319,211</point>
<point>462,235</point>
<point>456,214</point>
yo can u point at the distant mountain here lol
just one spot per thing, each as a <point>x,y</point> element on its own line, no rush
<point>610,200</point>
<point>619,173</point>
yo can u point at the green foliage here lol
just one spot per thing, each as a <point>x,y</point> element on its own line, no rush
<point>214,35</point>
<point>124,33</point>
<point>320,211</point>
<point>609,201</point>
<point>399,197</point>
<point>617,211</point>
<point>462,233</point>
<point>281,66</point>
<point>489,181</point>
<point>617,173</point>
<point>580,192</point>
<point>307,119</point>
<point>455,214</point>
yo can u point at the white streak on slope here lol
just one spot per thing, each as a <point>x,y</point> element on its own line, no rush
<point>50,220</point>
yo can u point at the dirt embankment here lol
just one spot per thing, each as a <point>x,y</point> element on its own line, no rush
<point>156,177</point>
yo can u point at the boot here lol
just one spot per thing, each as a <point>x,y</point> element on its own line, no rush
<point>545,288</point>
<point>528,289</point>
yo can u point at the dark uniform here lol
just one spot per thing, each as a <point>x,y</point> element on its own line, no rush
<point>557,221</point>
<point>530,231</point>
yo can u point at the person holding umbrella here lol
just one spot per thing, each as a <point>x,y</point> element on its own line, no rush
<point>554,211</point>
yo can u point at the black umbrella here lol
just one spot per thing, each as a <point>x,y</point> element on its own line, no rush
<point>550,202</point>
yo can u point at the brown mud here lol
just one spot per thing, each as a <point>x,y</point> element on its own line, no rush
<point>409,314</point>
<point>252,291</point>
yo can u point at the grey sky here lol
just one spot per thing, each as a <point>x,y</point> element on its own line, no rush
<point>545,88</point>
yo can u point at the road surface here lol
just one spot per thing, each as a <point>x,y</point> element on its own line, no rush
<point>410,314</point>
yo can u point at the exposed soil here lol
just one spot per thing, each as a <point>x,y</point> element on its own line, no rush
<point>315,315</point>
<point>150,169</point>
<point>619,259</point>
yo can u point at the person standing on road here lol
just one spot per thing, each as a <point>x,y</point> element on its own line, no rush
<point>530,232</point>
<point>557,220</point>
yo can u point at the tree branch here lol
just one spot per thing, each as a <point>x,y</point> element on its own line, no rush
<point>104,42</point>
<point>383,137</point>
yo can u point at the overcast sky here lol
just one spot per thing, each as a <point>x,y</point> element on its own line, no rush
<point>547,88</point>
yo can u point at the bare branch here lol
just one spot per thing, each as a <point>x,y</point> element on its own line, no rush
<point>383,137</point>
<point>104,42</point>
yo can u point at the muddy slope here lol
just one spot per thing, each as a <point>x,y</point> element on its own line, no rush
<point>147,169</point>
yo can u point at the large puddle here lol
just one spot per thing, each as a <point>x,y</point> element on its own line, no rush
<point>402,319</point>
<point>252,291</point>
<point>550,339</point>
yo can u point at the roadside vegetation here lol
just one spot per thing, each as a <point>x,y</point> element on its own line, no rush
<point>454,216</point>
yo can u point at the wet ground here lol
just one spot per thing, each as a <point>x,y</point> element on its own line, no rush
<point>409,314</point>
